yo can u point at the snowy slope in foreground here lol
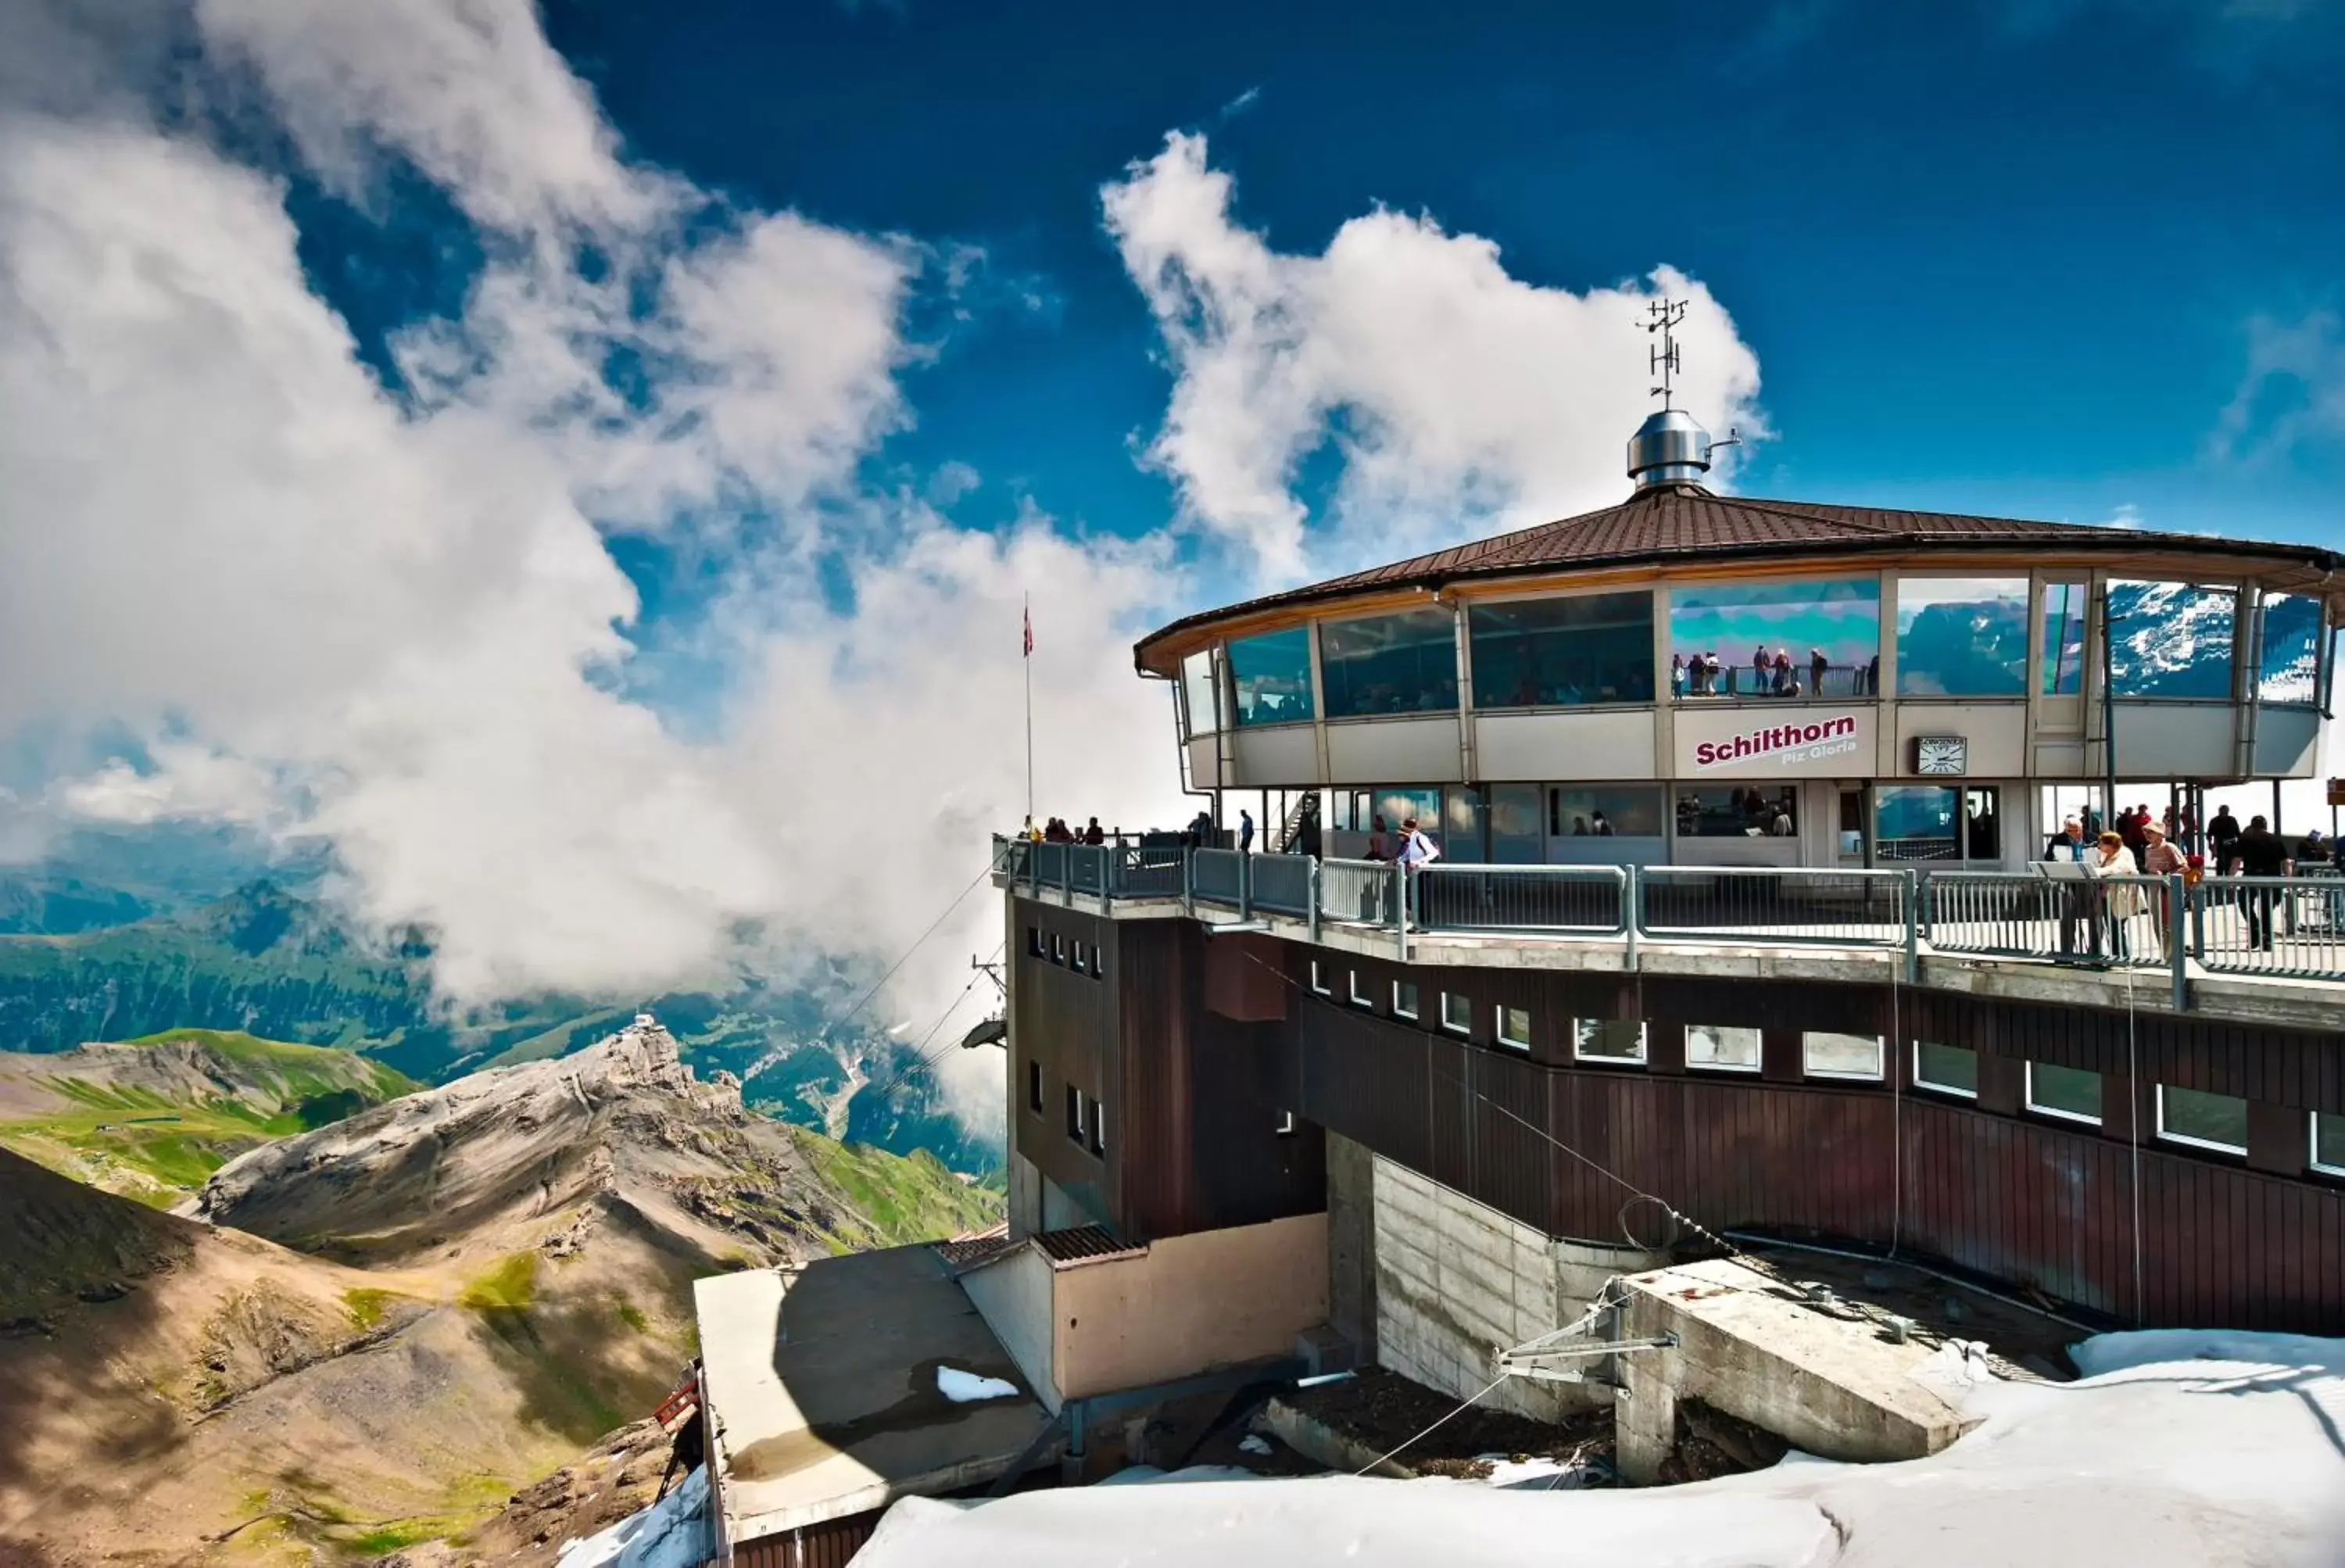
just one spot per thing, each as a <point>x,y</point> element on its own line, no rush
<point>2180,1448</point>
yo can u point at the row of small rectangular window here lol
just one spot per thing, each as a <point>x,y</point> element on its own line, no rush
<point>1086,1118</point>
<point>1051,945</point>
<point>2190,1116</point>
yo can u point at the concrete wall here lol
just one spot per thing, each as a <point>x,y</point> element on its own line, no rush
<point>1456,1280</point>
<point>1012,1294</point>
<point>1352,1245</point>
<point>1189,1303</point>
<point>1833,1389</point>
<point>1025,1205</point>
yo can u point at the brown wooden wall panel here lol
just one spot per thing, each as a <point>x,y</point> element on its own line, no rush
<point>2022,1199</point>
<point>1153,1188</point>
<point>830,1545</point>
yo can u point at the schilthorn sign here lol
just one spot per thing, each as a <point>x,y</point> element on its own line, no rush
<point>1782,745</point>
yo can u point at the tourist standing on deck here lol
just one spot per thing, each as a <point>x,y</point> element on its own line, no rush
<point>2223,838</point>
<point>2120,901</point>
<point>1094,834</point>
<point>2068,848</point>
<point>1245,833</point>
<point>2161,860</point>
<point>1817,666</point>
<point>2260,852</point>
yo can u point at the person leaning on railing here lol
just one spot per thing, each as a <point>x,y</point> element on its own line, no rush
<point>2161,860</point>
<point>2119,900</point>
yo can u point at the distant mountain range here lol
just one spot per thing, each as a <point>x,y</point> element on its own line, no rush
<point>271,962</point>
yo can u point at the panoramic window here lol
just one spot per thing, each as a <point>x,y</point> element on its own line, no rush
<point>1625,811</point>
<point>1962,637</point>
<point>1457,1012</point>
<point>1518,826</point>
<point>2063,614</point>
<point>1404,998</point>
<point>2171,639</point>
<point>1515,1027</point>
<point>1949,1069</point>
<point>1389,664</point>
<point>1820,637</point>
<point>1270,676</point>
<point>1201,692</point>
<point>1543,652</point>
<point>2070,1093</point>
<point>2329,1142</point>
<point>2289,670</point>
<point>1917,822</point>
<point>1722,1047</point>
<point>1748,812</point>
<point>1824,1055</point>
<point>1607,1039</point>
<point>2202,1120</point>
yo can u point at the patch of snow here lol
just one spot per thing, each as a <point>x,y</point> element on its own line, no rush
<point>1537,1474</point>
<point>1152,1475</point>
<point>1254,1442</point>
<point>968,1389</point>
<point>672,1533</point>
<point>2176,1449</point>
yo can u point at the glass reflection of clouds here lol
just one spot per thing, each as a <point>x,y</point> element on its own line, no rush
<point>1406,662</point>
<point>1962,637</point>
<point>2171,639</point>
<point>2290,671</point>
<point>1838,618</point>
<point>2063,614</point>
<point>1199,690</point>
<point>1271,676</point>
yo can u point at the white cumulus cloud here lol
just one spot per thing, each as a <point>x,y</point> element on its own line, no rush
<point>1460,397</point>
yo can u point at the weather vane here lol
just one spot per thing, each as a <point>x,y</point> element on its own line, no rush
<point>1664,316</point>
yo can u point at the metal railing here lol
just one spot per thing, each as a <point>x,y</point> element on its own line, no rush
<point>1281,884</point>
<point>2290,928</point>
<point>1359,892</point>
<point>1217,877</point>
<point>1587,900</point>
<point>1719,903</point>
<point>2117,921</point>
<point>2287,927</point>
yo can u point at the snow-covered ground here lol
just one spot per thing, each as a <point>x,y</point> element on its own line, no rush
<point>2176,1449</point>
<point>671,1533</point>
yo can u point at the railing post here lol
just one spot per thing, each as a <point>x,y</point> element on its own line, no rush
<point>1311,895</point>
<point>1034,870</point>
<point>1246,885</point>
<point>1108,861</point>
<point>2174,894</point>
<point>1400,903</point>
<point>2198,922</point>
<point>1914,890</point>
<point>1632,913</point>
<point>1067,876</point>
<point>1189,880</point>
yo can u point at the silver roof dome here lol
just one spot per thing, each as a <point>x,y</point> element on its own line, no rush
<point>1669,448</point>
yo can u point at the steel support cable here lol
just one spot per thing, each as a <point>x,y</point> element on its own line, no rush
<point>1636,1193</point>
<point>926,1058</point>
<point>902,958</point>
<point>1452,1415</point>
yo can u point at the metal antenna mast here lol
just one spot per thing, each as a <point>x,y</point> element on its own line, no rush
<point>1665,315</point>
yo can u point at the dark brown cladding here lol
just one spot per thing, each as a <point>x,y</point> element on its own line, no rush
<point>1192,1107</point>
<point>1605,1153</point>
<point>1680,522</point>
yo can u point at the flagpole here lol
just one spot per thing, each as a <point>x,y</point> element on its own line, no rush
<point>1028,660</point>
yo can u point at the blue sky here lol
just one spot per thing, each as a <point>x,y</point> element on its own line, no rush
<point>621,432</point>
<point>1991,256</point>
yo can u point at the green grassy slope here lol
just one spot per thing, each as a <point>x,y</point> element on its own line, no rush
<point>155,1128</point>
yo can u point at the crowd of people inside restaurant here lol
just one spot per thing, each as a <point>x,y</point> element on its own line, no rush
<point>1771,675</point>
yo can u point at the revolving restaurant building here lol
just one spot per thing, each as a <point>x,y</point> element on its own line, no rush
<point>1695,678</point>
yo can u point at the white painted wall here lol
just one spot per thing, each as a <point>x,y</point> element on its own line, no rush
<point>1414,750</point>
<point>1287,754</point>
<point>1584,747</point>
